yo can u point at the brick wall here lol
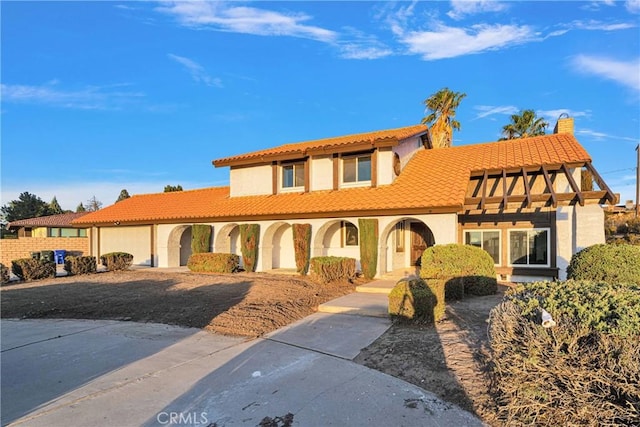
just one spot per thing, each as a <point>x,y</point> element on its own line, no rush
<point>11,249</point>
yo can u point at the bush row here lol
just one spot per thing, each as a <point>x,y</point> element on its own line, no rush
<point>74,265</point>
<point>413,299</point>
<point>214,263</point>
<point>608,263</point>
<point>4,273</point>
<point>33,269</point>
<point>115,261</point>
<point>330,268</point>
<point>583,371</point>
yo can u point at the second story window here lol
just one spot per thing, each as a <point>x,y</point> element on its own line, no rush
<point>356,169</point>
<point>293,175</point>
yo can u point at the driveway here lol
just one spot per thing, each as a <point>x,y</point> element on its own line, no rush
<point>77,372</point>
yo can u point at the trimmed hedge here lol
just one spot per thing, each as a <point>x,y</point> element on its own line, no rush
<point>4,274</point>
<point>80,264</point>
<point>412,300</point>
<point>437,287</point>
<point>583,371</point>
<point>200,238</point>
<point>368,228</point>
<point>250,238</point>
<point>116,261</point>
<point>467,269</point>
<point>330,268</point>
<point>33,269</point>
<point>607,263</point>
<point>214,263</point>
<point>302,246</point>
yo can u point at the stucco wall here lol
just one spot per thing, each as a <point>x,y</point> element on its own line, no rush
<point>406,149</point>
<point>321,173</point>
<point>577,227</point>
<point>11,249</point>
<point>133,240</point>
<point>251,181</point>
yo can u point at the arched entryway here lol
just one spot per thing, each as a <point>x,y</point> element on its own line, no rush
<point>227,240</point>
<point>277,249</point>
<point>337,238</point>
<point>179,246</point>
<point>402,244</point>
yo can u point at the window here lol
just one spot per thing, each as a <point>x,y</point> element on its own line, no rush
<point>400,237</point>
<point>66,232</point>
<point>293,175</point>
<point>489,240</point>
<point>349,234</point>
<point>529,247</point>
<point>356,169</point>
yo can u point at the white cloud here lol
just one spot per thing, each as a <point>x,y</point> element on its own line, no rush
<point>626,73</point>
<point>87,98</point>
<point>222,16</point>
<point>462,8</point>
<point>593,25</point>
<point>489,110</point>
<point>449,42</point>
<point>552,115</point>
<point>602,135</point>
<point>362,46</point>
<point>633,6</point>
<point>196,70</point>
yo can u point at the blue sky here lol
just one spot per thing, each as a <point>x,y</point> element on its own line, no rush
<point>101,96</point>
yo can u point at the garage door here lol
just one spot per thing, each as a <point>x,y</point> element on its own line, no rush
<point>133,240</point>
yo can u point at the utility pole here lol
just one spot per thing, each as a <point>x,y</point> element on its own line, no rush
<point>638,181</point>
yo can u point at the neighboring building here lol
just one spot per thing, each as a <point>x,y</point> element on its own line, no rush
<point>520,200</point>
<point>53,232</point>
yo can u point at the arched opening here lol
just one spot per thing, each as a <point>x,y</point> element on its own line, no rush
<point>402,244</point>
<point>337,238</point>
<point>179,246</point>
<point>277,247</point>
<point>227,240</point>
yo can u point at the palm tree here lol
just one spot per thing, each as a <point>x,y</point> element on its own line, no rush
<point>442,106</point>
<point>524,125</point>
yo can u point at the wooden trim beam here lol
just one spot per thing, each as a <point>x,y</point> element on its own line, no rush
<point>484,190</point>
<point>505,197</point>
<point>307,174</point>
<point>611,197</point>
<point>572,183</point>
<point>527,187</point>
<point>552,191</point>
<point>336,171</point>
<point>274,177</point>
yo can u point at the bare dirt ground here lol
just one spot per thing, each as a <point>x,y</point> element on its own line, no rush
<point>449,359</point>
<point>246,304</point>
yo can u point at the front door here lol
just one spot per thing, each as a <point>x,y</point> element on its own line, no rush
<point>421,239</point>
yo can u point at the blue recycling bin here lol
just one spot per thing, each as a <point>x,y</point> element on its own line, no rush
<point>59,256</point>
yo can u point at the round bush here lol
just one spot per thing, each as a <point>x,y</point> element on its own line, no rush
<point>583,371</point>
<point>606,263</point>
<point>474,265</point>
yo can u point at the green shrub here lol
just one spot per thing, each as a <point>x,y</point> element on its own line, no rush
<point>583,371</point>
<point>80,264</point>
<point>467,269</point>
<point>200,238</point>
<point>116,261</point>
<point>368,228</point>
<point>607,263</point>
<point>302,246</point>
<point>330,268</point>
<point>4,273</point>
<point>437,287</point>
<point>33,269</point>
<point>250,238</point>
<point>411,299</point>
<point>214,263</point>
<point>454,289</point>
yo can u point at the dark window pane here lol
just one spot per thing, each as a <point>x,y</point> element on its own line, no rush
<point>538,247</point>
<point>349,170</point>
<point>287,176</point>
<point>364,168</point>
<point>518,247</point>
<point>491,244</point>
<point>299,169</point>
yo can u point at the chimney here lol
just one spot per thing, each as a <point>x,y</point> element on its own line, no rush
<point>564,124</point>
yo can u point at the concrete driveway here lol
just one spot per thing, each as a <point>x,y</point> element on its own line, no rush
<point>92,373</point>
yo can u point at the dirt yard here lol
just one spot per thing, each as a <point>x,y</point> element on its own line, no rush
<point>246,304</point>
<point>449,359</point>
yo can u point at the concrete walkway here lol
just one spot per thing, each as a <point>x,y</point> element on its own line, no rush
<point>80,373</point>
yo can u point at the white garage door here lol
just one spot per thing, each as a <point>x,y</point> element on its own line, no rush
<point>133,240</point>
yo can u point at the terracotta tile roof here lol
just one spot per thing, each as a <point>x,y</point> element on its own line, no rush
<point>432,180</point>
<point>61,220</point>
<point>301,148</point>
